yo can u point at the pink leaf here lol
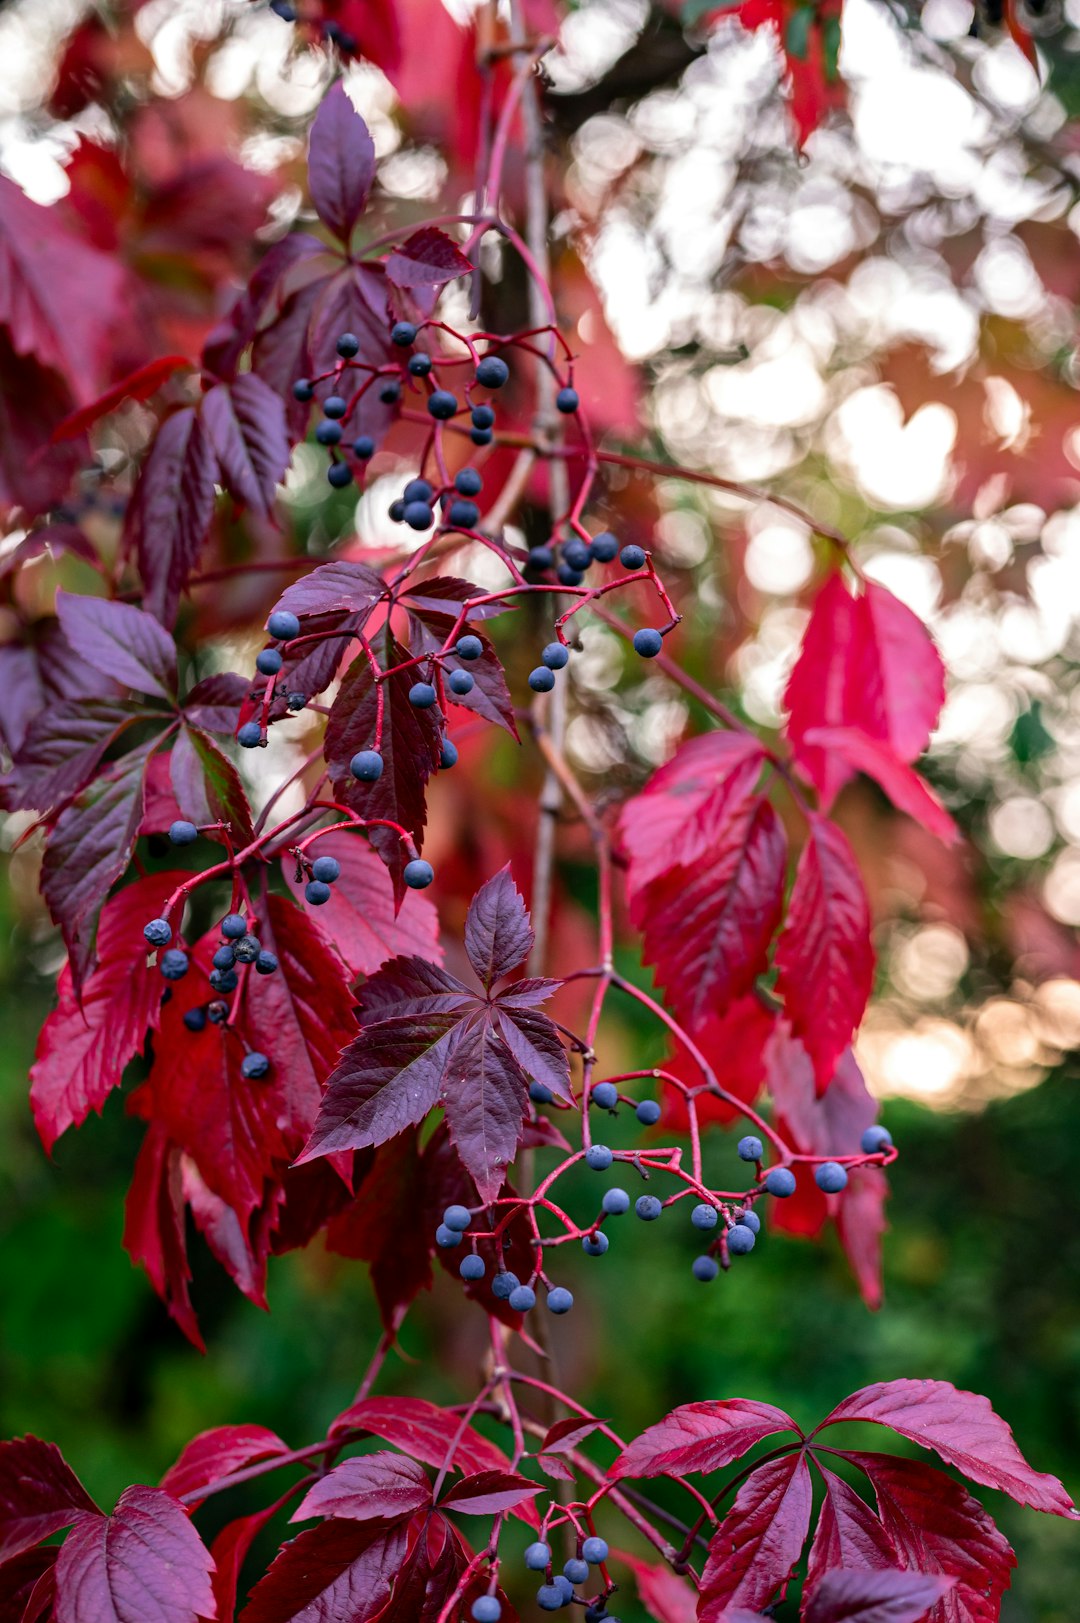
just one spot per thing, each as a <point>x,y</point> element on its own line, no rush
<point>360,919</point>
<point>219,1453</point>
<point>373,1486</point>
<point>908,792</point>
<point>341,163</point>
<point>39,1494</point>
<point>145,1561</point>
<point>874,1597</point>
<point>668,1597</point>
<point>701,1437</point>
<point>427,259</point>
<point>753,1551</point>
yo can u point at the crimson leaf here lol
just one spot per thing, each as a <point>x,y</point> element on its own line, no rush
<point>488,1493</point>
<point>908,792</point>
<point>874,1597</point>
<point>360,919</point>
<point>753,1551</point>
<point>218,1453</point>
<point>39,1494</point>
<point>848,1534</point>
<point>423,1430</point>
<point>145,1561</point>
<point>701,1437</point>
<point>154,1227</point>
<point>341,163</point>
<point>336,1570</point>
<point>379,1486</point>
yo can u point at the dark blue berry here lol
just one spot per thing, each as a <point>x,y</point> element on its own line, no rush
<point>195,1019</point>
<point>268,662</point>
<point>419,516</point>
<point>335,406</point>
<point>522,1299</point>
<point>448,755</point>
<point>594,1245</point>
<point>749,1220</point>
<point>233,926</point>
<point>447,1237</point>
<point>615,1202</point>
<point>182,832</point>
<point>224,980</point>
<point>302,390</point>
<point>327,869</point>
<point>648,642</point>
<point>780,1182</point>
<point>364,447</point>
<point>419,365</point>
<point>549,1597</point>
<point>283,625</point>
<point>468,482</point>
<point>540,1093</point>
<point>632,557</point>
<point>492,372</point>
<point>250,735</point>
<point>567,400</point>
<point>317,893</point>
<point>705,1269</point>
<point>605,1096</point>
<point>598,1157</point>
<point>830,1177</point>
<point>266,963</point>
<point>481,436</point>
<point>461,682</point>
<point>605,547</point>
<point>283,9</point>
<point>296,701</point>
<point>487,1608</point>
<point>749,1148</point>
<point>468,647</point>
<point>328,433</point>
<point>541,680</point>
<point>254,1065</point>
<point>740,1240</point>
<point>555,656</point>
<point>441,404</point>
<point>538,1557</point>
<point>463,515</point>
<point>502,1287</point>
<point>577,553</point>
<point>541,557</point>
<point>472,1268</point>
<point>397,510</point>
<point>876,1139</point>
<point>562,1582</point>
<point>648,1112</point>
<point>224,957</point>
<point>367,766</point>
<point>594,1551</point>
<point>483,417</point>
<point>648,1208</point>
<point>247,949</point>
<point>568,576</point>
<point>390,393</point>
<point>339,474</point>
<point>418,490</point>
<point>348,345</point>
<point>560,1300</point>
<point>576,1571</point>
<point>704,1216</point>
<point>457,1217</point>
<point>217,1012</point>
<point>422,695</point>
<point>403,333</point>
<point>158,932</point>
<point>417,874</point>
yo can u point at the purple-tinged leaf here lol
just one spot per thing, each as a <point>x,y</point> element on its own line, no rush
<point>489,1493</point>
<point>755,1548</point>
<point>701,1437</point>
<point>39,1494</point>
<point>29,1581</point>
<point>341,584</point>
<point>391,1223</point>
<point>534,1041</point>
<point>341,163</point>
<point>245,424</point>
<point>170,512</point>
<point>214,703</point>
<point>427,259</point>
<point>63,747</point>
<point>120,641</point>
<point>443,593</point>
<point>380,1486</point>
<point>498,934</point>
<point>145,1561</point>
<point>207,785</point>
<point>874,1597</point>
<point>218,1453</point>
<point>258,305</point>
<point>490,696</point>
<point>340,1569</point>
<point>485,1093</point>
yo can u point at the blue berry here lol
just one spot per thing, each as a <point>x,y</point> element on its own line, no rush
<point>283,9</point>
<point>233,926</point>
<point>367,766</point>
<point>418,875</point>
<point>567,401</point>
<point>283,625</point>
<point>334,406</point>
<point>648,642</point>
<point>254,1065</point>
<point>740,1239</point>
<point>364,447</point>
<point>418,490</point>
<point>446,1237</point>
<point>217,1012</point>
<point>419,365</point>
<point>224,980</point>
<point>468,482</point>
<point>568,576</point>
<point>540,1093</point>
<point>195,1019</point>
<point>327,869</point>
<point>556,656</point>
<point>422,695</point>
<point>538,1557</point>
<point>562,1583</point>
<point>749,1148</point>
<point>598,1157</point>
<point>448,755</point>
<point>632,556</point>
<point>302,390</point>
<point>403,333</point>
<point>158,932</point>
<point>615,1202</point>
<point>442,404</point>
<point>457,1217</point>
<point>461,682</point>
<point>348,345</point>
<point>876,1139</point>
<point>594,1551</point>
<point>830,1177</point>
<point>296,701</point>
<point>704,1216</point>
<point>648,1112</point>
<point>749,1220</point>
<point>268,662</point>
<point>560,1300</point>
<point>397,511</point>
<point>317,893</point>
<point>705,1269</point>
<point>541,557</point>
<point>266,963</point>
<point>541,680</point>
<point>594,1245</point>
<point>492,372</point>
<point>468,647</point>
<point>576,1570</point>
<point>648,1208</point>
<point>486,1610</point>
<point>605,1096</point>
<point>549,1597</point>
<point>224,957</point>
<point>483,417</point>
<point>605,547</point>
<point>522,1299</point>
<point>339,475</point>
<point>780,1182</point>
<point>247,949</point>
<point>463,515</point>
<point>390,393</point>
<point>503,1287</point>
<point>250,735</point>
<point>182,832</point>
<point>419,516</point>
<point>577,553</point>
<point>481,436</point>
<point>327,432</point>
<point>472,1268</point>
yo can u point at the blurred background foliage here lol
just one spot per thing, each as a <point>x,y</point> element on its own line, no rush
<point>884,330</point>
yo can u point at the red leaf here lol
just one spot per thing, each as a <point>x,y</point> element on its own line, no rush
<point>430,1575</point>
<point>908,792</point>
<point>83,1047</point>
<point>498,934</point>
<point>701,1437</point>
<point>753,1551</point>
<point>488,1493</point>
<point>39,1494</point>
<point>245,423</point>
<point>138,385</point>
<point>825,960</point>
<point>866,662</point>
<point>170,511</point>
<point>964,1430</point>
<point>340,1569</point>
<point>937,1527</point>
<point>120,641</point>
<point>567,1434</point>
<point>154,1227</point>
<point>229,1551</point>
<point>377,1486</point>
<point>426,259</point>
<point>874,1597</point>
<point>33,474</point>
<point>29,1583</point>
<point>668,1597</point>
<point>218,1453</point>
<point>848,1534</point>
<point>734,1042</point>
<point>424,1431</point>
<point>240,1246</point>
<point>359,919</point>
<point>145,1561</point>
<point>391,1225</point>
<point>341,163</point>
